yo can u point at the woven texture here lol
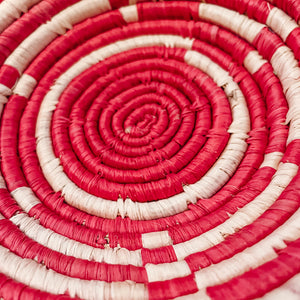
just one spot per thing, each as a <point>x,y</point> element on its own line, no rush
<point>149,150</point>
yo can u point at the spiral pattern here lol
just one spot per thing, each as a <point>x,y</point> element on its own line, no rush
<point>149,150</point>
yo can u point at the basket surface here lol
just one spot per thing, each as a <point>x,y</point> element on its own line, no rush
<point>149,150</point>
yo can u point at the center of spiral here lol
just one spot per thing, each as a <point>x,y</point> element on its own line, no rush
<point>141,135</point>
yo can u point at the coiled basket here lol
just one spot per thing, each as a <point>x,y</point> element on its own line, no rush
<point>150,150</point>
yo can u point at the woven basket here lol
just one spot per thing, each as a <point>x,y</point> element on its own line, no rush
<point>150,150</point>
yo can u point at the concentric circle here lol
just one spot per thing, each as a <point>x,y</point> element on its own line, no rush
<point>149,150</point>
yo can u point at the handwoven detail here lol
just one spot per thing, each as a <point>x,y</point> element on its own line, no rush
<point>149,150</point>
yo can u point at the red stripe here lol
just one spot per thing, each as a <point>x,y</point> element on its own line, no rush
<point>170,289</point>
<point>267,42</point>
<point>170,10</point>
<point>118,3</point>
<point>158,255</point>
<point>292,154</point>
<point>293,41</point>
<point>8,205</point>
<point>9,144</point>
<point>11,289</point>
<point>8,76</point>
<point>277,108</point>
